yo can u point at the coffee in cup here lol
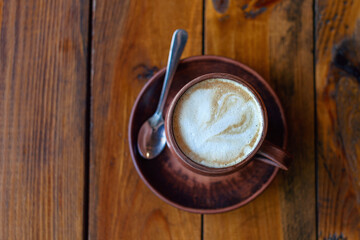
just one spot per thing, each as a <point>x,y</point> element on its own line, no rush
<point>218,122</point>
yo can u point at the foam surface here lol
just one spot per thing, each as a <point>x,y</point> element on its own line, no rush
<point>217,122</point>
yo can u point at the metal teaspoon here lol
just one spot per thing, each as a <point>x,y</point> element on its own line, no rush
<point>151,138</point>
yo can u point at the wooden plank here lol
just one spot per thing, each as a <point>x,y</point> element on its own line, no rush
<point>43,51</point>
<point>275,39</point>
<point>338,118</point>
<point>131,41</point>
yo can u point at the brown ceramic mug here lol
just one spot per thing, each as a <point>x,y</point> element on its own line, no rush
<point>260,150</point>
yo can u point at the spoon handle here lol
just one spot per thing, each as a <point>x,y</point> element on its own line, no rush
<point>178,42</point>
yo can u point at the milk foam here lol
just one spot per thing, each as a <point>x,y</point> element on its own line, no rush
<point>217,122</point>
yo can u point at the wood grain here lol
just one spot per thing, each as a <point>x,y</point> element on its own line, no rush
<point>43,52</point>
<point>131,41</point>
<point>338,118</point>
<point>274,38</point>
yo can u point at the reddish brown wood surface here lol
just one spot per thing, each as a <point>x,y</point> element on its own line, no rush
<point>275,40</point>
<point>44,186</point>
<point>131,41</point>
<point>43,52</point>
<point>338,118</point>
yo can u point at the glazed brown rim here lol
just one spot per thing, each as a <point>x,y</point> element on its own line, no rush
<point>202,210</point>
<point>189,163</point>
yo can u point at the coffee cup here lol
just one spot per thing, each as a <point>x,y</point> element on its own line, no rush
<point>217,124</point>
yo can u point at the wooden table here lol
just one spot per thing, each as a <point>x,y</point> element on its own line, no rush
<point>70,71</point>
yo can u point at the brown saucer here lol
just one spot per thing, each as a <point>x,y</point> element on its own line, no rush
<point>187,190</point>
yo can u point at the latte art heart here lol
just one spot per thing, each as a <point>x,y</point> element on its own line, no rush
<point>217,122</point>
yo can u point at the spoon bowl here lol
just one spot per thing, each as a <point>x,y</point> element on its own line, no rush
<point>151,137</point>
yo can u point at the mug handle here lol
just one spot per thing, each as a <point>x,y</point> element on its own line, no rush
<point>273,155</point>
